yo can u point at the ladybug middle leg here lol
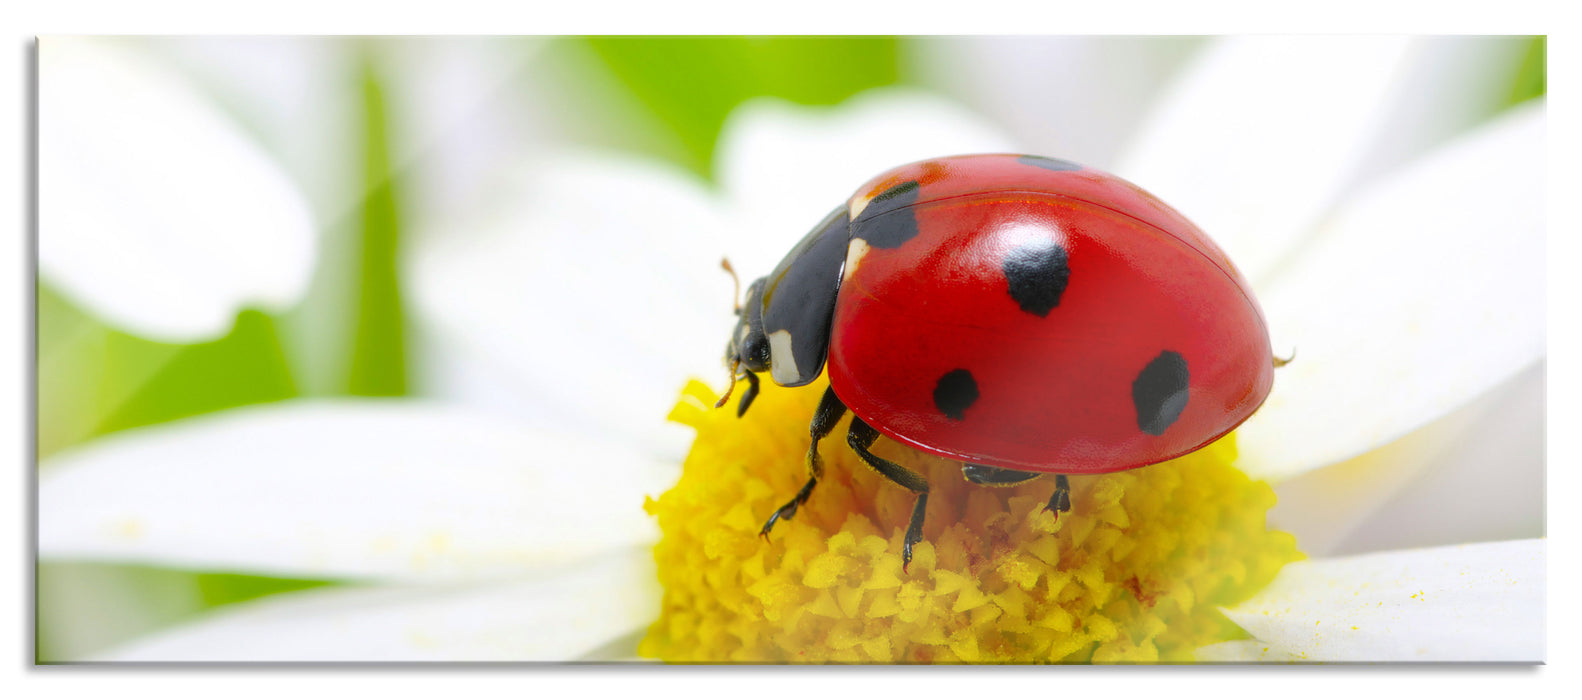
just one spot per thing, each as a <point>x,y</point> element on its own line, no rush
<point>1060,502</point>
<point>982,475</point>
<point>861,437</point>
<point>830,409</point>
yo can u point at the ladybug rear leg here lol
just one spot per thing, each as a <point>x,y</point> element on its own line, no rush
<point>830,409</point>
<point>996,476</point>
<point>861,437</point>
<point>982,475</point>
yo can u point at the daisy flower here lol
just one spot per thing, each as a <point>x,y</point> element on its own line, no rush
<point>508,517</point>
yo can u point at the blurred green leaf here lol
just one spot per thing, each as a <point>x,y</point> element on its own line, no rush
<point>1532,79</point>
<point>692,83</point>
<point>245,367</point>
<point>379,347</point>
<point>94,379</point>
<point>226,589</point>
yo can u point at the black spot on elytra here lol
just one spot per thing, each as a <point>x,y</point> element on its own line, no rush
<point>955,393</point>
<point>888,221</point>
<point>1037,273</point>
<point>1055,164</point>
<point>1160,392</point>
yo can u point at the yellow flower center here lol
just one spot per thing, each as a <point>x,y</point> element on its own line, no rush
<point>1133,573</point>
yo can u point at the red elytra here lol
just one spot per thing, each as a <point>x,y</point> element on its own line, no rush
<point>1020,314</point>
<point>1055,392</point>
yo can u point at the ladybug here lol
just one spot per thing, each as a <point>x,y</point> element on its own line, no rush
<point>1021,314</point>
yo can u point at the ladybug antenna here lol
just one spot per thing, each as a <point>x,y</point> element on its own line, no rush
<point>736,295</point>
<point>730,385</point>
<point>1281,362</point>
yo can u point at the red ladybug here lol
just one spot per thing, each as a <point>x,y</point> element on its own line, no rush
<point>1024,315</point>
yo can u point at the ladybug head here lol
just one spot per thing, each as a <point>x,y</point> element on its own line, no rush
<point>749,347</point>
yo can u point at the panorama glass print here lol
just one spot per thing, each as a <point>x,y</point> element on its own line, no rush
<point>1024,349</point>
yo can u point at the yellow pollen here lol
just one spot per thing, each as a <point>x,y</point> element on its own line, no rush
<point>1134,573</point>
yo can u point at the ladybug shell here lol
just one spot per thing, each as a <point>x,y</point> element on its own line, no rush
<point>1031,314</point>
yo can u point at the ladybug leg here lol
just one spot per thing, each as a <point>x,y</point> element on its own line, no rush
<point>981,475</point>
<point>830,409</point>
<point>750,393</point>
<point>1060,502</point>
<point>995,476</point>
<point>861,437</point>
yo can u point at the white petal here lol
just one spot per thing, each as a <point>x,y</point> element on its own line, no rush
<point>1242,652</point>
<point>1480,602</point>
<point>595,283</point>
<point>1497,473</point>
<point>1325,506</point>
<point>1476,475</point>
<point>467,112</point>
<point>302,98</point>
<point>155,211</point>
<point>1255,140</point>
<point>784,166</point>
<point>298,94</point>
<point>1446,85</point>
<point>345,490</point>
<point>1419,295</point>
<point>562,617</point>
<point>1075,97</point>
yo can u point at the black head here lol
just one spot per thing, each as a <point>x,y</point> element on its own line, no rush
<point>747,353</point>
<point>748,348</point>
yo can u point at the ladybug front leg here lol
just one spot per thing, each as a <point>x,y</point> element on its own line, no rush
<point>748,395</point>
<point>861,437</point>
<point>830,409</point>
